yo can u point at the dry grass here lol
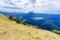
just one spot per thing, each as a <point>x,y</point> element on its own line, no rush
<point>10,30</point>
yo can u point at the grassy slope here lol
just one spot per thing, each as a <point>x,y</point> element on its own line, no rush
<point>10,30</point>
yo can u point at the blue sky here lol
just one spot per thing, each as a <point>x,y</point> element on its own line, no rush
<point>37,6</point>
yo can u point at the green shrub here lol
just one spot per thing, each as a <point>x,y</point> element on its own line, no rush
<point>17,20</point>
<point>56,31</point>
<point>10,17</point>
<point>25,23</point>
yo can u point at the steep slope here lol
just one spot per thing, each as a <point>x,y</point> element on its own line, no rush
<point>10,30</point>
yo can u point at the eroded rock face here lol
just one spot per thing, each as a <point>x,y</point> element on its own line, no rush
<point>10,30</point>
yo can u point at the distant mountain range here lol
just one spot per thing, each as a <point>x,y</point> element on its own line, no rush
<point>44,21</point>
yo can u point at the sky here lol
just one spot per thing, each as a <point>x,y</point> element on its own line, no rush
<point>37,6</point>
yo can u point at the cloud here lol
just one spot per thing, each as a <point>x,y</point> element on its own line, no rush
<point>38,6</point>
<point>32,1</point>
<point>38,18</point>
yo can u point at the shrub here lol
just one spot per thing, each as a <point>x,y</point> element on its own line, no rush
<point>10,17</point>
<point>56,31</point>
<point>17,20</point>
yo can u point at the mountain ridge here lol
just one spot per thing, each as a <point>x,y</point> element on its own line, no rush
<point>10,30</point>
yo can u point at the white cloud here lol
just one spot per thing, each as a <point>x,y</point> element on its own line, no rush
<point>39,6</point>
<point>38,18</point>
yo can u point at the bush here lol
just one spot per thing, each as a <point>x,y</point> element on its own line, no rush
<point>10,17</point>
<point>56,31</point>
<point>17,20</point>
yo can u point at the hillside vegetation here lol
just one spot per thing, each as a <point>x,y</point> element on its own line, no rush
<point>11,30</point>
